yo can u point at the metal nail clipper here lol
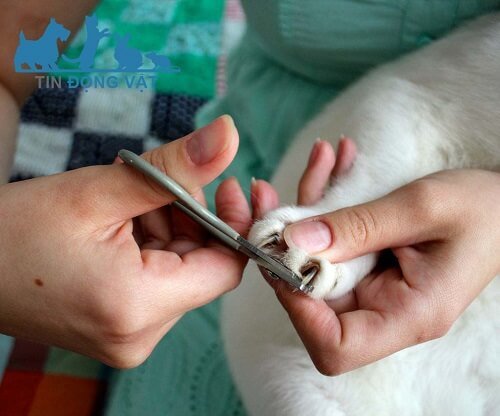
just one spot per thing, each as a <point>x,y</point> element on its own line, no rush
<point>187,204</point>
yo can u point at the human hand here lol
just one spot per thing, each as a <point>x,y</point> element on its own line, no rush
<point>444,231</point>
<point>72,273</point>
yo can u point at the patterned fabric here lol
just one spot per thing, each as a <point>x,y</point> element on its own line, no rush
<point>71,128</point>
<point>68,129</point>
<point>49,381</point>
<point>187,31</point>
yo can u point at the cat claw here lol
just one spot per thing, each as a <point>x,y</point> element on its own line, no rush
<point>309,271</point>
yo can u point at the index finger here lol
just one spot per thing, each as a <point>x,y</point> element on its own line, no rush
<point>412,214</point>
<point>210,272</point>
<point>317,174</point>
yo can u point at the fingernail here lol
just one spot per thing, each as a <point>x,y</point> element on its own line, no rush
<point>310,236</point>
<point>207,143</point>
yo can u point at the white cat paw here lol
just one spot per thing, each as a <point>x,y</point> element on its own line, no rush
<point>331,280</point>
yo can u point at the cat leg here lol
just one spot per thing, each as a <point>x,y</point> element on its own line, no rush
<point>378,170</point>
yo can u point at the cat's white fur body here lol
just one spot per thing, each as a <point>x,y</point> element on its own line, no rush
<point>438,108</point>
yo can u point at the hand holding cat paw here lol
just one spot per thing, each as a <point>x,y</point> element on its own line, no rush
<point>444,233</point>
<point>327,280</point>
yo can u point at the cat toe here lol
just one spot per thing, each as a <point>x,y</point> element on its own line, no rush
<point>316,272</point>
<point>267,235</point>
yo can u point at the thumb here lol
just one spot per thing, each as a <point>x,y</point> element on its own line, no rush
<point>405,217</point>
<point>118,192</point>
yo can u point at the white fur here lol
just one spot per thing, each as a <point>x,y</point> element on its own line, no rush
<point>436,109</point>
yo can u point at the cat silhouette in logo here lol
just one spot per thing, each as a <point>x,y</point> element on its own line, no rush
<point>41,54</point>
<point>129,59</point>
<point>94,36</point>
<point>162,63</point>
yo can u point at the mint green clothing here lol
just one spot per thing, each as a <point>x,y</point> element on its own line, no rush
<point>296,56</point>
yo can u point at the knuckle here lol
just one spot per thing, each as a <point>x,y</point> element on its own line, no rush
<point>441,330</point>
<point>121,332</point>
<point>121,328</point>
<point>432,331</point>
<point>329,367</point>
<point>423,334</point>
<point>425,196</point>
<point>83,203</point>
<point>119,322</point>
<point>157,159</point>
<point>362,226</point>
<point>434,324</point>
<point>442,323</point>
<point>124,359</point>
<point>173,164</point>
<point>124,340</point>
<point>236,217</point>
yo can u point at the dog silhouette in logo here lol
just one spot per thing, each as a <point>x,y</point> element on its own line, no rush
<point>162,63</point>
<point>94,36</point>
<point>41,54</point>
<point>129,59</point>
